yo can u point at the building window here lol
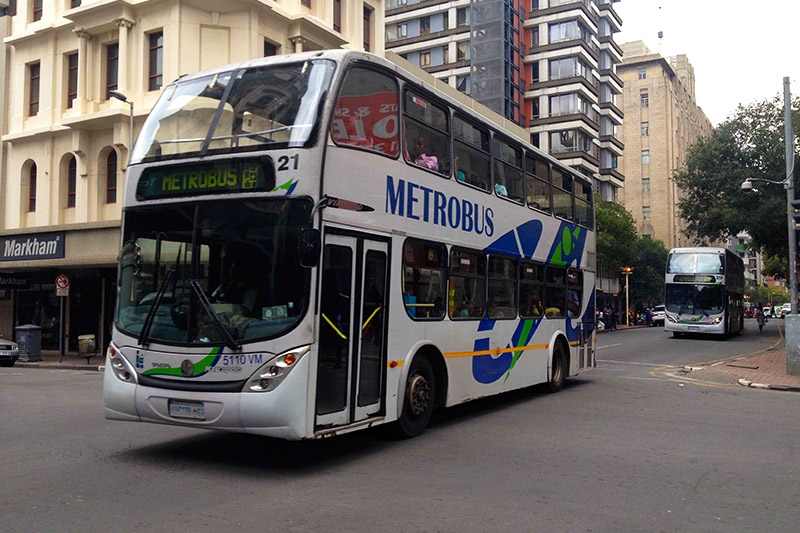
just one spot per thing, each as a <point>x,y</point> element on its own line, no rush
<point>306,3</point>
<point>74,3</point>
<point>425,58</point>
<point>111,177</point>
<point>37,10</point>
<point>112,66</point>
<point>463,84</point>
<point>535,140</point>
<point>33,89</point>
<point>445,20</point>
<point>367,28</point>
<point>402,31</point>
<point>535,107</point>
<point>337,15</point>
<point>462,16</point>
<point>270,49</point>
<point>424,25</point>
<point>72,78</point>
<point>646,212</point>
<point>32,188</point>
<point>645,157</point>
<point>645,186</point>
<point>642,73</point>
<point>72,181</point>
<point>645,100</point>
<point>156,77</point>
<point>462,51</point>
<point>645,129</point>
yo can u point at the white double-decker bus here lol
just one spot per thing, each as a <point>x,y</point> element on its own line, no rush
<point>704,291</point>
<point>323,242</point>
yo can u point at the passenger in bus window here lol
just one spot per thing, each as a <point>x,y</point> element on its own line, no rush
<point>460,176</point>
<point>573,304</point>
<point>421,158</point>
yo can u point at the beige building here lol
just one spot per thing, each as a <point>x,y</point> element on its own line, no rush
<point>66,139</point>
<point>662,120</point>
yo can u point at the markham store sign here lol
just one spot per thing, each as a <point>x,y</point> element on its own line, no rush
<point>33,246</point>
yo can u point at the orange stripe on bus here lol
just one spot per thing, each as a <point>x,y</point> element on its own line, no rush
<point>394,364</point>
<point>496,351</point>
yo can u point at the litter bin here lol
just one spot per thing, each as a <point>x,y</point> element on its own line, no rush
<point>29,339</point>
<point>87,346</point>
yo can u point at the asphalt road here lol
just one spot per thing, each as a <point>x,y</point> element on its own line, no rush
<point>623,447</point>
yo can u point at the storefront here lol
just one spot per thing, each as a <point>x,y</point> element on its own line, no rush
<point>31,261</point>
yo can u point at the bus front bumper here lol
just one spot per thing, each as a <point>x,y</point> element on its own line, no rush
<point>277,413</point>
<point>694,328</point>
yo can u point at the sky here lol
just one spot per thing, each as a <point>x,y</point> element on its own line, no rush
<point>740,49</point>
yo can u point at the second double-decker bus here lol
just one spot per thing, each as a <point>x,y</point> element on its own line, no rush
<point>323,242</point>
<point>704,291</point>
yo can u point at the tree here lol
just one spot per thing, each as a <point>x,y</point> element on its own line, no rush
<point>748,144</point>
<point>616,235</point>
<point>776,266</point>
<point>647,280</point>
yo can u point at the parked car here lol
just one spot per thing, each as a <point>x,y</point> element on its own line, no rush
<point>658,315</point>
<point>785,309</point>
<point>9,353</point>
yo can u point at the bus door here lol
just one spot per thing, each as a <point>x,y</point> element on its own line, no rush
<point>352,333</point>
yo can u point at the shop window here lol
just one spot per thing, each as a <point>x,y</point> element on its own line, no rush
<point>427,134</point>
<point>367,112</point>
<point>537,176</point>
<point>472,160</point>
<point>555,295</point>
<point>467,294</point>
<point>509,180</point>
<point>424,274</point>
<point>502,287</point>
<point>531,290</point>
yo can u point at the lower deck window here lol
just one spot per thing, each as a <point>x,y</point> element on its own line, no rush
<point>424,275</point>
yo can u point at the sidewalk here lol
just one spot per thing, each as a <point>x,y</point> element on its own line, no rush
<point>761,371</point>
<point>70,361</point>
<point>623,326</point>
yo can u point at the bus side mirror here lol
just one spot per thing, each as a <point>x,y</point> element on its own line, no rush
<point>308,248</point>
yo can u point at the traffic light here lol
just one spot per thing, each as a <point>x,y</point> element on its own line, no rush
<point>796,215</point>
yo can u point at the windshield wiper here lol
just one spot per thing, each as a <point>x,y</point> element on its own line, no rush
<point>230,342</point>
<point>148,322</point>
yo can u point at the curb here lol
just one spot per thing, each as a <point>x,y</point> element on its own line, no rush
<point>60,366</point>
<point>786,388</point>
<point>621,329</point>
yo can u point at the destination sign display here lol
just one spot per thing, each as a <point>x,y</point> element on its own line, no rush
<point>693,279</point>
<point>212,177</point>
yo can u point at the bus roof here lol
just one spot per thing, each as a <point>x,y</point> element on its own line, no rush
<point>698,250</point>
<point>405,70</point>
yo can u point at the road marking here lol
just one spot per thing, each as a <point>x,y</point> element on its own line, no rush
<point>632,363</point>
<point>608,346</point>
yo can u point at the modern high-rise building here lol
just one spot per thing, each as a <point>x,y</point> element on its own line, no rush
<point>549,65</point>
<point>662,122</point>
<point>66,138</point>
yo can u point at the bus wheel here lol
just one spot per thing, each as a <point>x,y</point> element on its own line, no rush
<point>418,400</point>
<point>558,372</point>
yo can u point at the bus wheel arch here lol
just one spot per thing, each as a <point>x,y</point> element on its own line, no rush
<point>424,387</point>
<point>558,370</point>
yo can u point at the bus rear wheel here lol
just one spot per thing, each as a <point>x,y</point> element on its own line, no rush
<point>558,372</point>
<point>418,400</point>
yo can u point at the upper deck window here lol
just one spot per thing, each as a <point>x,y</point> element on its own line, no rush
<point>366,112</point>
<point>508,178</point>
<point>472,160</point>
<point>695,263</point>
<point>427,133</point>
<point>583,203</point>
<point>257,108</point>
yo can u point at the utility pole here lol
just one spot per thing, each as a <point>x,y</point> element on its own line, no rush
<point>793,320</point>
<point>627,271</point>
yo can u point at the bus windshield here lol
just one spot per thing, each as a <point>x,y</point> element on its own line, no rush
<point>688,263</point>
<point>695,299</point>
<point>239,256</point>
<point>255,108</point>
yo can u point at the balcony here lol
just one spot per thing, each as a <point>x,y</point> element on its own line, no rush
<point>612,172</point>
<point>609,39</point>
<point>590,46</point>
<point>402,41</point>
<point>405,8</point>
<point>611,74</point>
<point>568,116</point>
<point>613,140</point>
<point>613,107</point>
<point>609,8</point>
<point>561,6</point>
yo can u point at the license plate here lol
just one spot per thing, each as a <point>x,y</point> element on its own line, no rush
<point>187,410</point>
<point>694,328</point>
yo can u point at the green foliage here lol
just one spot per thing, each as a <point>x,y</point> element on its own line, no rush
<point>647,280</point>
<point>761,295</point>
<point>776,265</point>
<point>748,144</point>
<point>616,235</point>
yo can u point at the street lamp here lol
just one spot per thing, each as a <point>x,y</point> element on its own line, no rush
<point>122,98</point>
<point>627,271</point>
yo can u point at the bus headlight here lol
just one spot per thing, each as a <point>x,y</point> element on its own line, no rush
<point>121,367</point>
<point>274,371</point>
<point>718,319</point>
